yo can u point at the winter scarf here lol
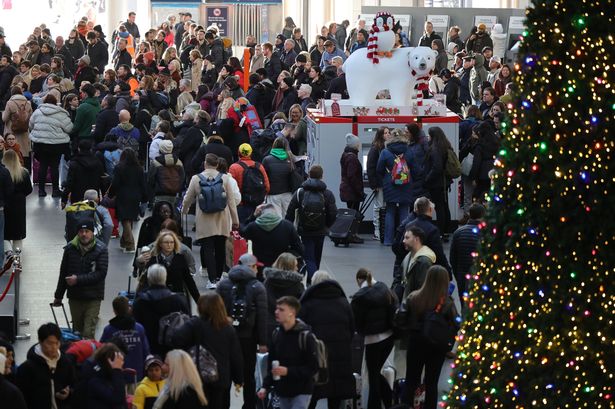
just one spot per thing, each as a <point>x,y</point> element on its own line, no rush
<point>83,249</point>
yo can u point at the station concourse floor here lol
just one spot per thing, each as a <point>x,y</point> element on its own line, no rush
<point>42,254</point>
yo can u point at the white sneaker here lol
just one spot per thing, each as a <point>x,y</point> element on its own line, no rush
<point>212,286</point>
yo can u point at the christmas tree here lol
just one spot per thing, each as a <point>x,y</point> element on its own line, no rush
<point>539,331</point>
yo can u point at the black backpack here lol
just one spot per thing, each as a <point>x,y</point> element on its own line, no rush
<point>241,307</point>
<point>312,210</point>
<point>253,185</point>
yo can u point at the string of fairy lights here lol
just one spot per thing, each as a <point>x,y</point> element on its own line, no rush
<point>540,329</point>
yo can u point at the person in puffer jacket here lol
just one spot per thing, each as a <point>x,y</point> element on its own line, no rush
<point>149,388</point>
<point>50,128</point>
<point>281,279</point>
<point>166,175</point>
<point>82,277</point>
<point>373,307</point>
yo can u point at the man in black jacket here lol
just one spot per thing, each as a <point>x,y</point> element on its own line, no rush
<point>6,190</point>
<point>271,235</point>
<point>315,205</point>
<point>420,217</point>
<point>245,299</point>
<point>84,172</point>
<point>273,64</point>
<point>463,245</point>
<point>97,51</point>
<point>47,377</point>
<point>293,347</point>
<point>216,49</point>
<point>122,57</point>
<point>428,35</point>
<point>82,277</point>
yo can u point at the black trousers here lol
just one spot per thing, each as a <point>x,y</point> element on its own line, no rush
<point>422,355</point>
<point>438,197</point>
<point>48,160</point>
<point>332,403</point>
<point>248,351</point>
<point>217,397</point>
<point>379,390</point>
<point>213,256</point>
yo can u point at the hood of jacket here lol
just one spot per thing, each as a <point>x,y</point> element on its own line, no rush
<point>450,47</point>
<point>92,101</point>
<point>268,221</point>
<point>241,273</point>
<point>86,160</point>
<point>168,159</point>
<point>122,323</point>
<point>423,252</point>
<point>300,326</point>
<point>126,126</point>
<point>51,109</point>
<point>376,295</point>
<point>397,144</point>
<point>327,289</point>
<point>277,275</point>
<point>315,185</point>
<point>18,98</point>
<point>479,60</point>
<point>35,356</point>
<point>156,292</point>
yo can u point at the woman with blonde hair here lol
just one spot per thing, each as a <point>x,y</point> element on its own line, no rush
<point>183,388</point>
<point>167,252</point>
<point>213,330</point>
<point>281,279</point>
<point>15,204</point>
<point>432,296</point>
<point>197,66</point>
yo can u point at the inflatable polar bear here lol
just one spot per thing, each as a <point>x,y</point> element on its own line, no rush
<point>398,74</point>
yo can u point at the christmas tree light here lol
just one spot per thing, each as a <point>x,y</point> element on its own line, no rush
<point>540,329</point>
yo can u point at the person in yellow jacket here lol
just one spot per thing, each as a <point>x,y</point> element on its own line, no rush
<point>149,388</point>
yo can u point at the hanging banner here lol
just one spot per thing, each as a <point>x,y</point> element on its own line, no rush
<point>218,16</point>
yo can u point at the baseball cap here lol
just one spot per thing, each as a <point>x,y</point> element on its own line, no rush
<point>152,360</point>
<point>245,150</point>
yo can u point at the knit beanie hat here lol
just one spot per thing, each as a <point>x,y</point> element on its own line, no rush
<point>245,150</point>
<point>166,147</point>
<point>352,141</point>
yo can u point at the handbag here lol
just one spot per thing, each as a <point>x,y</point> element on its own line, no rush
<point>437,329</point>
<point>401,318</point>
<point>466,164</point>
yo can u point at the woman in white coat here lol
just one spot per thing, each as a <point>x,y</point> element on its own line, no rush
<point>50,126</point>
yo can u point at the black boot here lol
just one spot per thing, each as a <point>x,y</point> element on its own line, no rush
<point>56,192</point>
<point>41,192</point>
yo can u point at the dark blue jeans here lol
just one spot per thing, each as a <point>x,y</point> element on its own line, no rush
<point>312,253</point>
<point>244,211</point>
<point>395,214</point>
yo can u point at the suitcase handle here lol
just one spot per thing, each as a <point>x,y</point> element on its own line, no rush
<point>52,305</point>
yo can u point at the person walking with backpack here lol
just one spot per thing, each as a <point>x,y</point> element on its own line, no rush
<point>293,359</point>
<point>437,181</point>
<point>127,135</point>
<point>429,300</point>
<point>166,175</point>
<point>216,215</point>
<point>245,299</point>
<point>84,172</point>
<point>315,208</point>
<point>128,188</point>
<point>213,330</point>
<point>252,180</point>
<point>280,164</point>
<point>397,170</point>
<point>16,117</point>
<point>325,308</point>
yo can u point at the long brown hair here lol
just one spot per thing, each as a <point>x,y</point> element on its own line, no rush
<point>433,291</point>
<point>378,141</point>
<point>211,306</point>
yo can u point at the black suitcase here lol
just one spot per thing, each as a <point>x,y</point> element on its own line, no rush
<point>342,229</point>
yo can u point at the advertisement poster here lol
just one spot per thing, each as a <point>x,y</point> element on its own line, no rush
<point>219,17</point>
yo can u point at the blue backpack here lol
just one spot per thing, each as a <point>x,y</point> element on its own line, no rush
<point>213,197</point>
<point>112,158</point>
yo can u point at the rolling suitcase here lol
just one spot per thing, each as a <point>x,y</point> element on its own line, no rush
<point>131,295</point>
<point>344,226</point>
<point>68,334</point>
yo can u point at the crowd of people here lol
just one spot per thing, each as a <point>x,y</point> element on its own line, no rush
<point>171,122</point>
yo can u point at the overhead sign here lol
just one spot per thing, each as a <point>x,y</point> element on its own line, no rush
<point>218,16</point>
